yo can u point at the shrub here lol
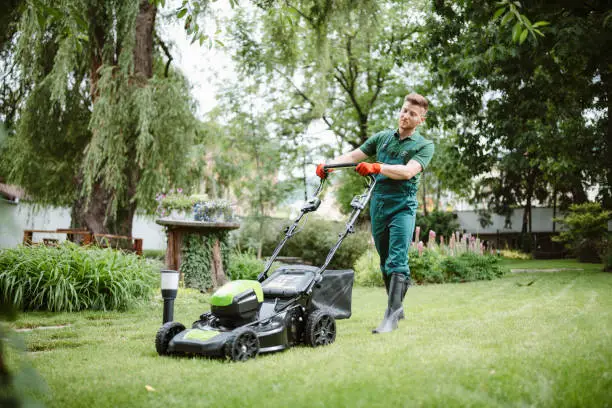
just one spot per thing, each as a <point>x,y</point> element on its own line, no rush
<point>444,223</point>
<point>511,254</point>
<point>425,268</point>
<point>311,244</point>
<point>71,278</point>
<point>244,265</point>
<point>314,242</point>
<point>154,254</point>
<point>367,269</point>
<point>431,266</point>
<point>586,231</point>
<point>471,267</point>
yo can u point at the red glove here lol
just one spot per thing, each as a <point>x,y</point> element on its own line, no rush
<point>365,169</point>
<point>321,172</point>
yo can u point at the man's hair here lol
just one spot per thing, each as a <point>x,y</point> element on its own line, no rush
<point>418,100</point>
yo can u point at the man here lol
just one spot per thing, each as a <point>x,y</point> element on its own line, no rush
<point>401,155</point>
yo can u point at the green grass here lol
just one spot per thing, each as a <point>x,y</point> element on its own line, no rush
<point>550,264</point>
<point>524,340</point>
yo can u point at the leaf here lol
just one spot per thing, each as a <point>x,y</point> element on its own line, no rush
<point>181,13</point>
<point>219,43</point>
<point>540,24</point>
<point>523,36</point>
<point>516,31</point>
<point>507,18</point>
<point>498,13</point>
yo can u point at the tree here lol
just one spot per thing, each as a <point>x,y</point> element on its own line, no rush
<point>256,153</point>
<point>116,123</point>
<point>532,115</point>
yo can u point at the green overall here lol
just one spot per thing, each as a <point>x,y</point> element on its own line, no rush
<point>394,204</point>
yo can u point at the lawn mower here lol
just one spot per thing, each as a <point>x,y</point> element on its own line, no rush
<point>295,304</point>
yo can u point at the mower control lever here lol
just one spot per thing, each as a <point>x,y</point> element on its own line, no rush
<point>311,205</point>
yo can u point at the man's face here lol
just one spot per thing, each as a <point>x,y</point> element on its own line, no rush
<point>411,116</point>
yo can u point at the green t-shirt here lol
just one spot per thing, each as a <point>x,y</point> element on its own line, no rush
<point>415,147</point>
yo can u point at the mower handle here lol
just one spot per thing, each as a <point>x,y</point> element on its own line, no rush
<point>339,166</point>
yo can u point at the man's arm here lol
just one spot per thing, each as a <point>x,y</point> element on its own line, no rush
<point>401,171</point>
<point>352,157</point>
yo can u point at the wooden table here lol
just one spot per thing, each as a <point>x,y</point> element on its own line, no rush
<point>177,229</point>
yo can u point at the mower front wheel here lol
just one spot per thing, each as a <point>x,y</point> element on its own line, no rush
<point>165,334</point>
<point>242,345</point>
<point>320,329</point>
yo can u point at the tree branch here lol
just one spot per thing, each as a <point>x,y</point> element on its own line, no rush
<point>164,47</point>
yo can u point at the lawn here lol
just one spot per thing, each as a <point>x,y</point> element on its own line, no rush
<point>528,339</point>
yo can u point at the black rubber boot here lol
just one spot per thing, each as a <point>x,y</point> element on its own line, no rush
<point>387,279</point>
<point>396,289</point>
<point>406,286</point>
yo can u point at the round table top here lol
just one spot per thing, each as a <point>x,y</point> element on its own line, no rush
<point>197,224</point>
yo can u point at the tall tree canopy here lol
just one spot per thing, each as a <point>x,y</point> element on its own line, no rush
<point>102,125</point>
<point>535,116</point>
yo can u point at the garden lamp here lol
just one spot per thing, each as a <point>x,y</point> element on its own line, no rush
<point>169,289</point>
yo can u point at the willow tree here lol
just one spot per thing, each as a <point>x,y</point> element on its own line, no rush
<point>103,126</point>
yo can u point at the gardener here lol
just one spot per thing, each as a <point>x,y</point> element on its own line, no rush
<point>401,155</point>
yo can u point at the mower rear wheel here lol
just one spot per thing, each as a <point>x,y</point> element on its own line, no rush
<point>320,329</point>
<point>165,334</point>
<point>243,345</point>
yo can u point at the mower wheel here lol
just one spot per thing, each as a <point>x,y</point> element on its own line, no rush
<point>242,345</point>
<point>165,334</point>
<point>320,329</point>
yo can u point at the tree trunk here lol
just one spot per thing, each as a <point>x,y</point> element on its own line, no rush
<point>96,216</point>
<point>526,227</point>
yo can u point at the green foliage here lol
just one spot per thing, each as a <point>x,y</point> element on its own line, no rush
<point>535,137</point>
<point>244,265</point>
<point>367,270</point>
<point>511,254</point>
<point>72,278</point>
<point>586,231</point>
<point>442,222</point>
<point>427,267</point>
<point>311,244</point>
<point>314,242</point>
<point>432,266</point>
<point>196,261</point>
<point>470,267</point>
<point>154,254</point>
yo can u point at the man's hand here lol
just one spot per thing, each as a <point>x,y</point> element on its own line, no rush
<point>321,172</point>
<point>365,169</point>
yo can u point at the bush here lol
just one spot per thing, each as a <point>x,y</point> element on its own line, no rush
<point>471,267</point>
<point>511,254</point>
<point>72,278</point>
<point>432,267</point>
<point>154,254</point>
<point>586,231</point>
<point>367,270</point>
<point>311,244</point>
<point>314,242</point>
<point>244,265</point>
<point>442,222</point>
<point>425,268</point>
